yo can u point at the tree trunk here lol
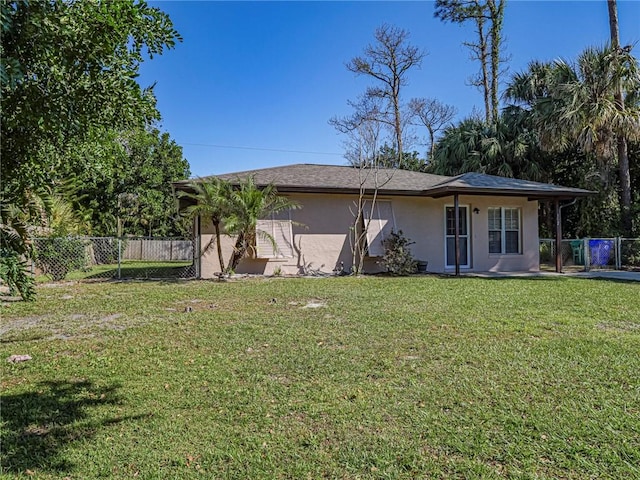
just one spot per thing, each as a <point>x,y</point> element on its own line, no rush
<point>496,10</point>
<point>625,186</point>
<point>613,23</point>
<point>398,123</point>
<point>623,154</point>
<point>432,139</point>
<point>484,68</point>
<point>239,251</point>
<point>216,226</point>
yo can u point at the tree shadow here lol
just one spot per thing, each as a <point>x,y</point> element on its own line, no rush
<point>38,425</point>
<point>144,272</point>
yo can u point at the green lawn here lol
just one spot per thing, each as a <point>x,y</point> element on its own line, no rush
<point>350,378</point>
<point>139,269</point>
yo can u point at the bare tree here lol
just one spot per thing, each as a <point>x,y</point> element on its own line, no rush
<point>487,16</point>
<point>363,129</point>
<point>365,137</point>
<point>388,61</point>
<point>365,147</point>
<point>432,114</point>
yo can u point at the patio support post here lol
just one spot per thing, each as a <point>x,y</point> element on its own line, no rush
<point>456,208</point>
<point>556,202</point>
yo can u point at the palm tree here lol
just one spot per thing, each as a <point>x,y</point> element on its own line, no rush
<point>505,148</point>
<point>575,104</point>
<point>247,204</point>
<point>210,197</point>
<point>21,214</point>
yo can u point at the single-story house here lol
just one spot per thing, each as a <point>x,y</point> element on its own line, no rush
<point>496,231</point>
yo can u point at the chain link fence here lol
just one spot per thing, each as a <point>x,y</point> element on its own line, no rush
<point>584,254</point>
<point>87,258</point>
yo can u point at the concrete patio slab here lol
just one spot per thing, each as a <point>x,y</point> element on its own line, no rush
<point>619,275</point>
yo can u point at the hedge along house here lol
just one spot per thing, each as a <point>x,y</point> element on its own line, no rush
<point>496,228</point>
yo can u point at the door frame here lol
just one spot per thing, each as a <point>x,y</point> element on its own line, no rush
<point>466,208</point>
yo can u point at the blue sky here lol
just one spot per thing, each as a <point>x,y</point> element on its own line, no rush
<point>254,84</point>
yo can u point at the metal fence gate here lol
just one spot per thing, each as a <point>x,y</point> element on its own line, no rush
<point>592,253</point>
<point>87,258</point>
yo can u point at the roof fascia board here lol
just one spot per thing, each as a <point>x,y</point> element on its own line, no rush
<point>531,194</point>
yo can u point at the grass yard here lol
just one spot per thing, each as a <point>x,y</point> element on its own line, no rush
<point>344,378</point>
<point>139,269</point>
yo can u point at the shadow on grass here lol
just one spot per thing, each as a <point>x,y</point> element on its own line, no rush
<point>145,272</point>
<point>38,425</point>
<point>532,277</point>
<point>628,281</point>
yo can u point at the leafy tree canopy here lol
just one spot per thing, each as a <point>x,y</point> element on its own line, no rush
<point>127,176</point>
<point>69,69</point>
<point>68,90</point>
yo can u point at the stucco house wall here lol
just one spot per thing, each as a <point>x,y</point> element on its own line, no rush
<point>321,235</point>
<point>420,204</point>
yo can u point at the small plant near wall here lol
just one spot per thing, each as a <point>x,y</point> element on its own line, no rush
<point>397,259</point>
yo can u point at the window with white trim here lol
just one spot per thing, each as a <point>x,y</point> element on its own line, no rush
<point>505,230</point>
<point>274,237</point>
<point>379,223</point>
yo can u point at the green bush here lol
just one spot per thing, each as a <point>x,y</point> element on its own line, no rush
<point>546,252</point>
<point>14,272</point>
<point>630,253</point>
<point>58,256</point>
<point>105,250</point>
<point>397,259</point>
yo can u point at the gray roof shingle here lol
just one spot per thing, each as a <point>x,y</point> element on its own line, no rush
<point>480,183</point>
<point>346,179</point>
<point>333,178</point>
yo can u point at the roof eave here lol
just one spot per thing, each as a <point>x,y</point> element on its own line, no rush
<point>531,194</point>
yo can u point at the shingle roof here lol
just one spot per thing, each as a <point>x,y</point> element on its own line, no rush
<point>333,178</point>
<point>345,179</point>
<point>480,183</point>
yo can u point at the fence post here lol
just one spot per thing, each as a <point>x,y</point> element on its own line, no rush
<point>618,244</point>
<point>119,257</point>
<point>587,254</point>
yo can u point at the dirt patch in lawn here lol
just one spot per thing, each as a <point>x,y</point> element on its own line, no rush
<point>65,327</point>
<point>628,326</point>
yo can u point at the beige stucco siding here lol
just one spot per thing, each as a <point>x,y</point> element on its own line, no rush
<point>209,264</point>
<point>481,259</point>
<point>321,239</point>
<point>321,235</point>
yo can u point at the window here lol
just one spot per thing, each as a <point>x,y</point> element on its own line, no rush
<point>274,237</point>
<point>379,224</point>
<point>504,230</point>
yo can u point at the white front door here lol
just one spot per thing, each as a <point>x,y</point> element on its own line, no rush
<point>450,236</point>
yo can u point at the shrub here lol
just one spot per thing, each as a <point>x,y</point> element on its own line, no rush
<point>397,259</point>
<point>58,256</point>
<point>630,253</point>
<point>546,252</point>
<point>14,272</point>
